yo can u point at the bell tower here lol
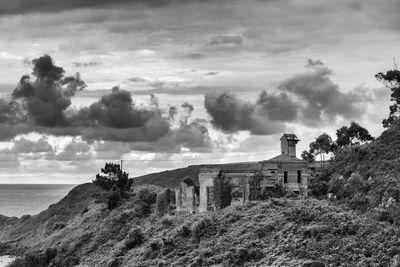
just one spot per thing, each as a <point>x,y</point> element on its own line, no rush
<point>288,144</point>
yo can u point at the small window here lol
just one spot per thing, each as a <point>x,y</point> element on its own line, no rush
<point>299,177</point>
<point>272,171</point>
<point>285,177</point>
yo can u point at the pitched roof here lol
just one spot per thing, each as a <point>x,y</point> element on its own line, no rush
<point>235,167</point>
<point>284,158</point>
<point>291,137</point>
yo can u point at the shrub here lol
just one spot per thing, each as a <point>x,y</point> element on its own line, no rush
<point>36,259</point>
<point>240,256</point>
<point>167,220</point>
<point>359,202</point>
<point>114,197</point>
<point>264,230</point>
<point>222,191</point>
<point>163,202</point>
<point>135,238</point>
<point>273,192</point>
<point>147,196</point>
<point>113,175</point>
<point>255,187</point>
<point>318,182</point>
<point>201,228</point>
<point>184,230</point>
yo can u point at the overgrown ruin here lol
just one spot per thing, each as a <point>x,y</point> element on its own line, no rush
<point>220,183</point>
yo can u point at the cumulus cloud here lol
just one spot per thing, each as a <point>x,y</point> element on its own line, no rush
<point>310,98</point>
<point>194,136</point>
<point>43,106</point>
<point>75,150</point>
<point>26,146</point>
<point>321,97</point>
<point>232,114</point>
<point>46,99</point>
<point>278,107</point>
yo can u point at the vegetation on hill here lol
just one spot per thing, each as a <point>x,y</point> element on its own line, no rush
<point>170,178</point>
<point>277,232</point>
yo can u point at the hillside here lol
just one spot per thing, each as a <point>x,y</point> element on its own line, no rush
<point>81,231</point>
<point>172,178</point>
<point>352,230</point>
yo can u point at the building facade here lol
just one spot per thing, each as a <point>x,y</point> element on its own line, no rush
<point>284,170</point>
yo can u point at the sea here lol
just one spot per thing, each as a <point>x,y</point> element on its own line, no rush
<point>30,199</point>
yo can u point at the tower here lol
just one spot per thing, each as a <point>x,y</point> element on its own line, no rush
<point>288,144</point>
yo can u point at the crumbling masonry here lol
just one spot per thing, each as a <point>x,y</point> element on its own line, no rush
<point>246,180</point>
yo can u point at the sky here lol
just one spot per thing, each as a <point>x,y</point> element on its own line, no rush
<point>165,84</point>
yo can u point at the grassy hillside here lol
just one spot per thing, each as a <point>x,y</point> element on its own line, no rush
<point>278,232</point>
<point>169,178</point>
<point>172,178</point>
<point>350,231</point>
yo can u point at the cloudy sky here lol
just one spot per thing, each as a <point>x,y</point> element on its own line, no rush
<point>171,83</point>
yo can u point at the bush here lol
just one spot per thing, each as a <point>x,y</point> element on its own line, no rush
<point>163,202</point>
<point>255,187</point>
<point>135,238</point>
<point>147,196</point>
<point>273,192</point>
<point>37,259</point>
<point>114,197</point>
<point>222,191</point>
<point>167,220</point>
<point>238,257</point>
<point>113,175</point>
<point>184,230</point>
<point>318,183</point>
<point>201,228</point>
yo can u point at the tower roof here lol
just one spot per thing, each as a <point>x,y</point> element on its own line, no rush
<point>290,137</point>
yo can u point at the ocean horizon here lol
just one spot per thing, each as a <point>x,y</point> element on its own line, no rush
<point>30,199</point>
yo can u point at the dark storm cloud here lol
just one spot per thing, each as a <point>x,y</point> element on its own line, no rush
<point>231,114</point>
<point>322,97</point>
<point>278,107</point>
<point>46,99</point>
<point>194,135</point>
<point>29,6</point>
<point>43,106</point>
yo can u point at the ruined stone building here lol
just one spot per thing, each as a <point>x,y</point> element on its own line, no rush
<point>285,171</point>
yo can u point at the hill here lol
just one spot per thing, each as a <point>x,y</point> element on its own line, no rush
<point>352,230</point>
<point>277,232</point>
<point>172,178</point>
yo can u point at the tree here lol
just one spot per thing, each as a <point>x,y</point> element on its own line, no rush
<point>322,146</point>
<point>353,135</point>
<point>307,156</point>
<point>113,175</point>
<point>392,81</point>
